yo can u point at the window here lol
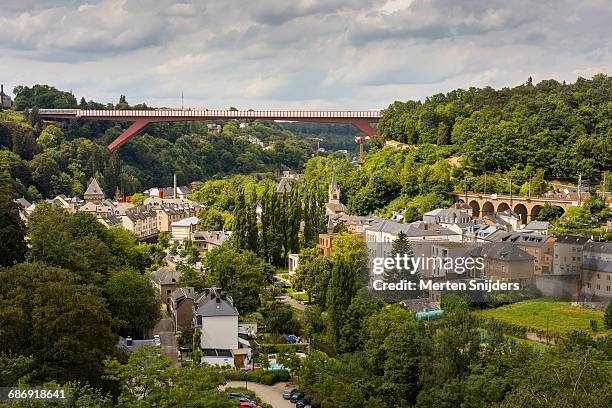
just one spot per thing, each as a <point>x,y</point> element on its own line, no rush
<point>607,277</point>
<point>598,276</point>
<point>608,288</point>
<point>589,285</point>
<point>598,286</point>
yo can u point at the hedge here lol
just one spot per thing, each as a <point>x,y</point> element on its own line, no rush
<point>266,377</point>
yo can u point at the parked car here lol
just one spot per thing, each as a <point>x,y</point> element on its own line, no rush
<point>296,396</point>
<point>280,284</point>
<point>292,338</point>
<point>301,403</point>
<point>157,340</point>
<point>249,404</point>
<point>288,391</point>
<point>235,394</point>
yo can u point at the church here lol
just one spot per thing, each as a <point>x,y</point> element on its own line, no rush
<point>333,205</point>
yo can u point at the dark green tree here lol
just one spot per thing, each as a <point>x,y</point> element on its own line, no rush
<point>342,288</point>
<point>12,229</point>
<point>133,301</point>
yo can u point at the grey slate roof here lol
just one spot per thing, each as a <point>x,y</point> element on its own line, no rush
<point>538,225</point>
<point>23,203</point>
<point>502,251</point>
<point>165,275</point>
<point>215,303</point>
<point>572,240</point>
<point>534,240</point>
<point>600,247</point>
<point>94,188</point>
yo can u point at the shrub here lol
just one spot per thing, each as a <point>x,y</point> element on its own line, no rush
<point>608,317</point>
<point>266,377</point>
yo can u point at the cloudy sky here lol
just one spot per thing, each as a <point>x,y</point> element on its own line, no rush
<point>280,54</point>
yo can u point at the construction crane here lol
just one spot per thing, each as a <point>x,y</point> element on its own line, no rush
<point>315,139</point>
<point>361,139</point>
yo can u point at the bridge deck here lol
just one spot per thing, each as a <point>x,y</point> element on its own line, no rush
<point>203,114</point>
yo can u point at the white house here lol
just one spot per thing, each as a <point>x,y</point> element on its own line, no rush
<point>184,229</point>
<point>217,318</point>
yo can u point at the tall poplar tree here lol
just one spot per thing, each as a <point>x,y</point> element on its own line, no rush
<point>342,288</point>
<point>12,228</point>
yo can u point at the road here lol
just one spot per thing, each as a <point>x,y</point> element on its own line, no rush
<point>167,335</point>
<point>292,302</point>
<point>271,394</point>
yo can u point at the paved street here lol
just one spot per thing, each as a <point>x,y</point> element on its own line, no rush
<point>292,302</point>
<point>165,329</point>
<point>271,394</point>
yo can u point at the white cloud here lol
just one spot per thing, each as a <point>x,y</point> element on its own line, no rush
<point>307,53</point>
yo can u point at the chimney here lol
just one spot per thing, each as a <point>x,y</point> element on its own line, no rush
<point>174,192</point>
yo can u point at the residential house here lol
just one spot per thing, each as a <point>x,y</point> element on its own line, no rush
<point>181,307</point>
<point>184,229</point>
<point>214,128</point>
<point>538,227</point>
<point>597,271</point>
<point>23,206</point>
<point>207,240</point>
<point>568,255</point>
<point>165,280</point>
<point>172,210</point>
<point>326,244</point>
<point>141,221</point>
<point>217,318</point>
<point>541,247</point>
<point>447,216</point>
<point>506,262</point>
<point>355,224</point>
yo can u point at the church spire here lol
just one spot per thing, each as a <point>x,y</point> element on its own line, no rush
<point>334,190</point>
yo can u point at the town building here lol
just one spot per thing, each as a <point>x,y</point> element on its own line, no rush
<point>505,262</point>
<point>141,221</point>
<point>214,128</point>
<point>5,100</point>
<point>447,216</point>
<point>207,240</point>
<point>183,230</point>
<point>538,227</point>
<point>597,271</point>
<point>568,255</point>
<point>170,210</point>
<point>541,247</point>
<point>181,307</point>
<point>217,318</point>
<point>165,280</point>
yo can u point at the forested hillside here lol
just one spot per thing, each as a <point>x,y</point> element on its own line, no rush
<point>48,160</point>
<point>564,129</point>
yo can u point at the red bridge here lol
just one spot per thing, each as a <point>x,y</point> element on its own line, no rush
<point>141,118</point>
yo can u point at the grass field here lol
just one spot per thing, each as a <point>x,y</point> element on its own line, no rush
<point>562,316</point>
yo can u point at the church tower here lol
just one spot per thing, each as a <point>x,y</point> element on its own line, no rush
<point>334,190</point>
<point>94,193</point>
<point>333,205</point>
